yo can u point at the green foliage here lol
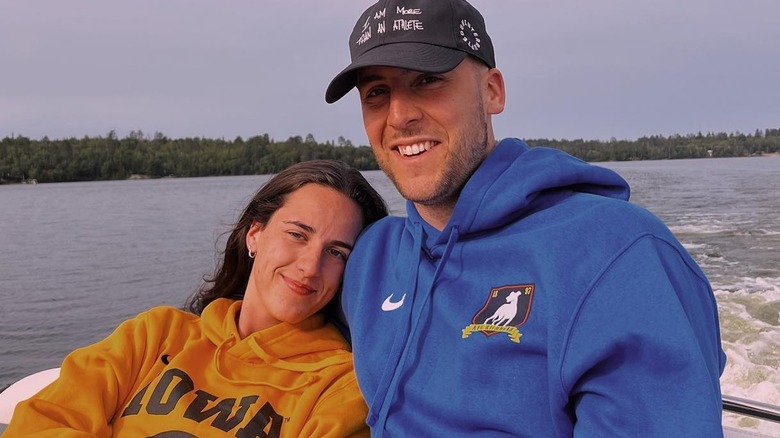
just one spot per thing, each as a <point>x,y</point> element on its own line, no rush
<point>108,158</point>
<point>665,148</point>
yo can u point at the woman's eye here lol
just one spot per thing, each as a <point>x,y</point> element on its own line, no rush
<point>340,254</point>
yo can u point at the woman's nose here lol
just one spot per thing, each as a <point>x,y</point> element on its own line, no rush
<point>309,262</point>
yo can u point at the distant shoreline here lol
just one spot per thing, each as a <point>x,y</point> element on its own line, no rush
<point>32,181</point>
<point>111,159</point>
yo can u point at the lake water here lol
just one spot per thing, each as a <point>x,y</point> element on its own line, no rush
<point>76,259</point>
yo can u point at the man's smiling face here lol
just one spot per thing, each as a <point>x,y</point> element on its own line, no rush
<point>429,131</point>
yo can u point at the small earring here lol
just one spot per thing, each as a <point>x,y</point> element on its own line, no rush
<point>251,253</point>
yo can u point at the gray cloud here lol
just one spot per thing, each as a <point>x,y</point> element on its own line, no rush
<point>574,69</point>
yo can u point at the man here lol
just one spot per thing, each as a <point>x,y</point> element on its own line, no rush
<point>523,295</point>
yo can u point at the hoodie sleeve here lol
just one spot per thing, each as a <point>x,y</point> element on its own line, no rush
<point>93,381</point>
<point>643,354</point>
<point>340,412</point>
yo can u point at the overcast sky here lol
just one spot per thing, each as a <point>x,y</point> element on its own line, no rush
<point>590,69</point>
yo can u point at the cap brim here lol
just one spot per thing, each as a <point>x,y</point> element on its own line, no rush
<point>413,56</point>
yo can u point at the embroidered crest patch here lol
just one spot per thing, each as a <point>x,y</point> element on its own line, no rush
<point>506,309</point>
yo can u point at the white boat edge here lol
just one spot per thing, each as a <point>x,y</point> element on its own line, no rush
<point>23,389</point>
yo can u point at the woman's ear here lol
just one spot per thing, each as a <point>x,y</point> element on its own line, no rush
<point>251,236</point>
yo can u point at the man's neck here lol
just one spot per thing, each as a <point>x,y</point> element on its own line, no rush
<point>436,215</point>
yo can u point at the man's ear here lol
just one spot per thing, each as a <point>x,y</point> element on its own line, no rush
<point>495,94</point>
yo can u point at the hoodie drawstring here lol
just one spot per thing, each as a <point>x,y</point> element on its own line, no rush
<point>381,398</point>
<point>388,393</point>
<point>269,359</point>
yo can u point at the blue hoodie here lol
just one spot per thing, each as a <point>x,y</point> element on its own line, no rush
<point>548,306</point>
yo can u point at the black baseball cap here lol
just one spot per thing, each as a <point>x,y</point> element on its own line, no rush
<point>431,36</point>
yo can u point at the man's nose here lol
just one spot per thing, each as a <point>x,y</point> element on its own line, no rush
<point>403,110</point>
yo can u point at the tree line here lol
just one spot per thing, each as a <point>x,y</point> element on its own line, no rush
<point>138,156</point>
<point>658,147</point>
<point>108,157</point>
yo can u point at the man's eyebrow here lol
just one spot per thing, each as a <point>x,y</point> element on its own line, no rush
<point>312,230</point>
<point>364,79</point>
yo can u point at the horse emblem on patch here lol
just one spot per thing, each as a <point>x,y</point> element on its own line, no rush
<point>506,309</point>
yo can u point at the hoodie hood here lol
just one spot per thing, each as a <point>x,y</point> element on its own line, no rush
<point>516,180</point>
<point>306,347</point>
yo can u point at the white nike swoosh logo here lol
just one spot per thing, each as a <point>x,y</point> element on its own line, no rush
<point>389,305</point>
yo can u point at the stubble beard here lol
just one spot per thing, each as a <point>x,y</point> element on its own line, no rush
<point>465,157</point>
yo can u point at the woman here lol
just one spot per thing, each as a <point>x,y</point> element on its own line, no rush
<point>256,356</point>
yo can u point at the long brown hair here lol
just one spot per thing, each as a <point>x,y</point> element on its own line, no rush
<point>232,273</point>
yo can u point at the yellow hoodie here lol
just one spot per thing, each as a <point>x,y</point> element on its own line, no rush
<point>171,373</point>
